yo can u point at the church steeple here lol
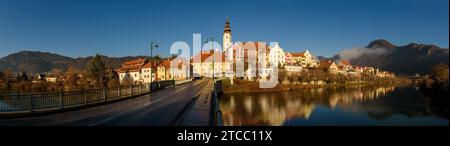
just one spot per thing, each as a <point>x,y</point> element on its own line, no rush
<point>227,28</point>
<point>226,38</point>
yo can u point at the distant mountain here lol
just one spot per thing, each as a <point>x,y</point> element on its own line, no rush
<point>408,59</point>
<point>35,61</point>
<point>320,58</point>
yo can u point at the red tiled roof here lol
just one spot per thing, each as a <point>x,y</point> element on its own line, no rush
<point>246,46</point>
<point>165,63</point>
<point>325,63</point>
<point>205,56</point>
<point>132,65</point>
<point>134,62</point>
<point>256,45</point>
<point>128,70</point>
<point>149,65</point>
<point>300,54</point>
<point>345,62</point>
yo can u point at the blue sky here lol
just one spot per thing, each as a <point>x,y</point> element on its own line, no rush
<point>79,28</point>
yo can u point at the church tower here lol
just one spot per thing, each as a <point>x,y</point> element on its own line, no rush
<point>227,37</point>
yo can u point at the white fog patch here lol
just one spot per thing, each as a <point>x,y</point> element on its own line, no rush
<point>349,54</point>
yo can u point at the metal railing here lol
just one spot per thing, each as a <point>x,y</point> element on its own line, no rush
<point>17,103</point>
<point>178,82</point>
<point>216,113</point>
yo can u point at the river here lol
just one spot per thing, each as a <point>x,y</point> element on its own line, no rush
<point>350,106</point>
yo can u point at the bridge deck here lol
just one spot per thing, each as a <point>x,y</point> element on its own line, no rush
<point>175,105</point>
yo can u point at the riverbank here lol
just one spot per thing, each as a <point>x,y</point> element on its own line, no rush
<point>242,86</point>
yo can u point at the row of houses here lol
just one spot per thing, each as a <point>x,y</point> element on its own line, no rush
<point>289,61</point>
<point>215,63</point>
<point>343,67</point>
<point>145,71</point>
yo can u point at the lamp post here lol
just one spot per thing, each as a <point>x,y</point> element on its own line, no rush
<point>172,68</point>
<point>153,45</point>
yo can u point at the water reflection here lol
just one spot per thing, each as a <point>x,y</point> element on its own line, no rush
<point>331,106</point>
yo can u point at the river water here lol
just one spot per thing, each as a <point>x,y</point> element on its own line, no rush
<point>359,106</point>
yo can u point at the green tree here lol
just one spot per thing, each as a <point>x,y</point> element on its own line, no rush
<point>173,56</point>
<point>95,69</point>
<point>156,58</point>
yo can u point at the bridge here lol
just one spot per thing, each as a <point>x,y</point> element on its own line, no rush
<point>188,104</point>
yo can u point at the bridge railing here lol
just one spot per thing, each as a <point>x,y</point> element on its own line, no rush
<point>216,113</point>
<point>20,103</point>
<point>178,82</point>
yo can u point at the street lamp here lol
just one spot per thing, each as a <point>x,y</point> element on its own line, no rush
<point>153,45</point>
<point>173,74</point>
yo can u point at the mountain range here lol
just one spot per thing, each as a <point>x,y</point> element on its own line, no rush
<point>41,62</point>
<point>408,59</point>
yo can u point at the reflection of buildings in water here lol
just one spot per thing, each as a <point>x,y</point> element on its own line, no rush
<point>316,92</point>
<point>232,103</point>
<point>383,91</point>
<point>264,104</point>
<point>277,114</point>
<point>276,108</point>
<point>275,117</point>
<point>343,99</point>
<point>265,110</point>
<point>319,91</point>
<point>248,105</point>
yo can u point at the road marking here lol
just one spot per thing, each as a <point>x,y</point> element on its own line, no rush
<point>125,112</point>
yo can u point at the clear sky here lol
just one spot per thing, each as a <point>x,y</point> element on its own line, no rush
<point>126,27</point>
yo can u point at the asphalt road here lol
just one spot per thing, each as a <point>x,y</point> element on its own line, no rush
<point>160,108</point>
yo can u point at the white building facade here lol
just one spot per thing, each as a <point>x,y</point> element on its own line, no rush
<point>277,55</point>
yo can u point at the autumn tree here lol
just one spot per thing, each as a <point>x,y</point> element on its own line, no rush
<point>56,72</point>
<point>3,81</point>
<point>127,80</point>
<point>439,73</point>
<point>22,77</point>
<point>73,80</point>
<point>6,83</point>
<point>113,79</point>
<point>95,70</point>
<point>40,86</point>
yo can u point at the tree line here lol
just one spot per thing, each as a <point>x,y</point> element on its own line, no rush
<point>94,75</point>
<point>329,78</point>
